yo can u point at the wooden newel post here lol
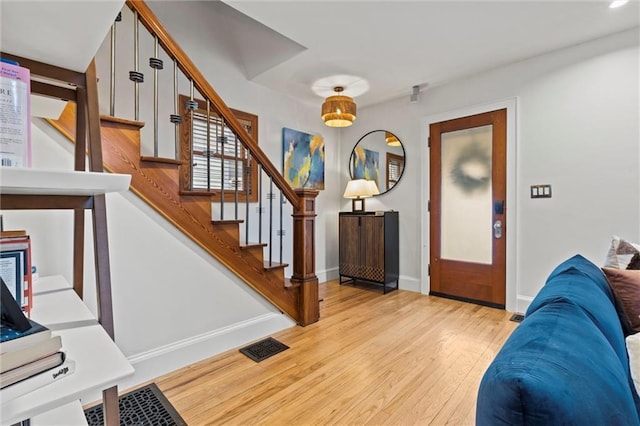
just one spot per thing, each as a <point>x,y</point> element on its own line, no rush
<point>304,256</point>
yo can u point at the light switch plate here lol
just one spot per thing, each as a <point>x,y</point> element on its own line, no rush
<point>541,191</point>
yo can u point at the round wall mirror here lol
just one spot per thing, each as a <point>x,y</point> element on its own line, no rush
<point>378,156</point>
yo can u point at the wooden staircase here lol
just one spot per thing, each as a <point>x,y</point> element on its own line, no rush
<point>157,183</point>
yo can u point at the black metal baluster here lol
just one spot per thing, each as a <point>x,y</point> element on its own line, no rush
<point>176,118</point>
<point>112,79</point>
<point>235,180</point>
<point>136,76</point>
<point>208,145</point>
<point>245,182</point>
<point>191,105</point>
<point>222,179</point>
<point>270,196</point>
<point>260,203</point>
<point>157,64</point>
<point>281,230</point>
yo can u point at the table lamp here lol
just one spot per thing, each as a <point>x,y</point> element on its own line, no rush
<point>358,190</point>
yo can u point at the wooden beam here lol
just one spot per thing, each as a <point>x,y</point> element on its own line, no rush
<point>53,91</point>
<point>52,202</point>
<point>47,70</point>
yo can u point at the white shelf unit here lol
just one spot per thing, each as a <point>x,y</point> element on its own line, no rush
<point>23,181</point>
<point>99,362</point>
<point>78,190</point>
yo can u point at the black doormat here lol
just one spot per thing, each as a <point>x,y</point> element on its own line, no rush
<point>263,349</point>
<point>146,406</point>
<point>517,317</point>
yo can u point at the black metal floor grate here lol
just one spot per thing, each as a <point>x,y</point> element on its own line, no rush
<point>263,349</point>
<point>517,317</point>
<point>146,406</point>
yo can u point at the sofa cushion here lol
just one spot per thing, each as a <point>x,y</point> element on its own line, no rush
<point>583,283</point>
<point>556,368</point>
<point>626,288</point>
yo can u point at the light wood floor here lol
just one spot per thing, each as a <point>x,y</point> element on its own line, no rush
<point>399,358</point>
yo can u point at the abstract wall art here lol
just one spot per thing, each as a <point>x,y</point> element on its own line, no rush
<point>303,159</point>
<point>366,164</point>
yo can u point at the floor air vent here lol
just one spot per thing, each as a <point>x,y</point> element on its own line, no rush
<point>517,317</point>
<point>263,349</point>
<point>146,406</point>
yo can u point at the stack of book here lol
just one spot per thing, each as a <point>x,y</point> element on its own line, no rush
<point>30,355</point>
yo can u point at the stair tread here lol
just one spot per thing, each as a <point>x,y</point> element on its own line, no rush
<point>118,120</point>
<point>274,265</point>
<point>227,221</point>
<point>152,159</point>
<point>250,245</point>
<point>198,193</point>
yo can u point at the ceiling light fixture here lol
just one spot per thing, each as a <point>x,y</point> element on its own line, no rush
<point>338,110</point>
<point>618,3</point>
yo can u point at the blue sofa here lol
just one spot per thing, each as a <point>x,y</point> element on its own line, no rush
<point>566,363</point>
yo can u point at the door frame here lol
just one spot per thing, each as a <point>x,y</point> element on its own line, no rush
<point>511,105</point>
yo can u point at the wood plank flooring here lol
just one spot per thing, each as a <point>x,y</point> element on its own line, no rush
<point>399,358</point>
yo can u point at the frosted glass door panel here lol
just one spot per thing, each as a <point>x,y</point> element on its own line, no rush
<point>466,197</point>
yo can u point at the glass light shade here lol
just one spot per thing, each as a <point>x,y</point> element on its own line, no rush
<point>360,188</point>
<point>391,139</point>
<point>338,111</point>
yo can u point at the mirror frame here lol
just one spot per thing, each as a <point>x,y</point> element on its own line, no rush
<point>404,154</point>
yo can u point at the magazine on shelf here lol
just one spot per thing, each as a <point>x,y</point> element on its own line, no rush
<point>67,368</point>
<point>11,267</point>
<point>15,133</point>
<point>16,358</point>
<point>15,267</point>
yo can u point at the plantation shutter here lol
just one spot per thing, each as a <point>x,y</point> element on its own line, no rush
<point>222,147</point>
<point>395,164</point>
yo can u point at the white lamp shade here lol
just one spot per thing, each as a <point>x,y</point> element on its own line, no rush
<point>373,188</point>
<point>360,188</point>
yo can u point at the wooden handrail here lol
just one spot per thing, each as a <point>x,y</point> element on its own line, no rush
<point>153,25</point>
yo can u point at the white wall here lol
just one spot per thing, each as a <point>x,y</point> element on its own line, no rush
<point>577,129</point>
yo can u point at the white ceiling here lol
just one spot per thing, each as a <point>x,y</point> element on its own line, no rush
<point>395,45</point>
<point>289,45</point>
<point>62,33</point>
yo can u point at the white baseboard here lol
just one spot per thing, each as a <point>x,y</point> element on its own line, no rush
<point>327,275</point>
<point>409,284</point>
<point>168,358</point>
<point>522,303</point>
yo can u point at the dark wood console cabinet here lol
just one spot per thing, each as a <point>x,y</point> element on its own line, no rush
<point>369,248</point>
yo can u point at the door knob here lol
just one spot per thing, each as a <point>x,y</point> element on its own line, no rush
<point>497,229</point>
